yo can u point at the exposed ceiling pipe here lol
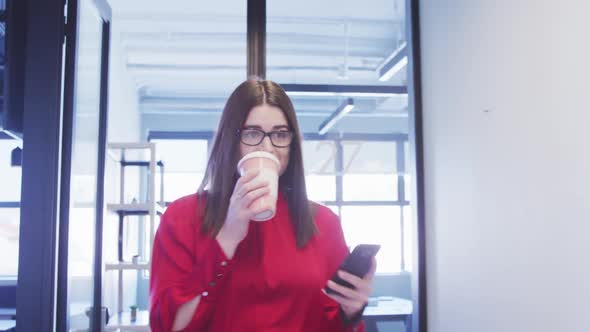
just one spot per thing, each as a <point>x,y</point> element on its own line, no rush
<point>343,74</point>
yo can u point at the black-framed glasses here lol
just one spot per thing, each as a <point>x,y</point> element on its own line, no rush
<point>279,138</point>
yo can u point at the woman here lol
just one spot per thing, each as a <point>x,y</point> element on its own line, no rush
<point>215,270</point>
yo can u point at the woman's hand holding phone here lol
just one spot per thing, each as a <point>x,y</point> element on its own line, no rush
<point>351,285</point>
<point>352,300</point>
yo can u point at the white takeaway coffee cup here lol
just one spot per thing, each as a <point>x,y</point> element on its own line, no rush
<point>268,166</point>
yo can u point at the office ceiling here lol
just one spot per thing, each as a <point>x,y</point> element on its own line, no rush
<point>187,56</point>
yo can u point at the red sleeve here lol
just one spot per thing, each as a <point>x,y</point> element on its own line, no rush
<point>184,265</point>
<point>337,250</point>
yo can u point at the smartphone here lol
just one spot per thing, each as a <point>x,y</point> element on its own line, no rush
<point>357,263</point>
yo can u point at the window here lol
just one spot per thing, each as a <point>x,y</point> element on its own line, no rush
<point>372,205</point>
<point>10,177</point>
<point>409,234</point>
<point>331,58</point>
<point>9,227</point>
<point>376,225</point>
<point>369,171</point>
<point>319,165</point>
<point>184,161</point>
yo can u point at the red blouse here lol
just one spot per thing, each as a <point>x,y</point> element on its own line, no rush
<point>269,285</point>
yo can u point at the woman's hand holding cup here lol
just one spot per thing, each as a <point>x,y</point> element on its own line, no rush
<point>248,188</point>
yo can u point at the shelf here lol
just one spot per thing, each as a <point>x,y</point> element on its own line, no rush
<point>106,329</point>
<point>123,321</point>
<point>140,163</point>
<point>134,209</point>
<point>127,266</point>
<point>126,146</point>
<point>388,307</point>
<point>7,313</point>
<point>7,324</point>
<point>138,152</point>
<point>142,157</point>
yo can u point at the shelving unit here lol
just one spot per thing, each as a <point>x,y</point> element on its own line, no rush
<point>122,322</point>
<point>151,208</point>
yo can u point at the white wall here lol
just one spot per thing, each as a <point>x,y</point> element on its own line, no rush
<point>124,120</point>
<point>507,198</point>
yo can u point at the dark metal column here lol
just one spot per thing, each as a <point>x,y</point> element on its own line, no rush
<point>41,165</point>
<point>419,291</point>
<point>257,38</point>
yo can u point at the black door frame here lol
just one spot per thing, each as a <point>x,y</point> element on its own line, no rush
<point>72,27</point>
<point>419,291</point>
<point>47,139</point>
<point>41,164</point>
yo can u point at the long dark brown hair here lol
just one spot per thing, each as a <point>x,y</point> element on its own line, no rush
<point>221,175</point>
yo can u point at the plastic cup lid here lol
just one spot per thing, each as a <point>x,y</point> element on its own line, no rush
<point>259,154</point>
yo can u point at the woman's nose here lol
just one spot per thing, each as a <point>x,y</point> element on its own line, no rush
<point>266,144</point>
